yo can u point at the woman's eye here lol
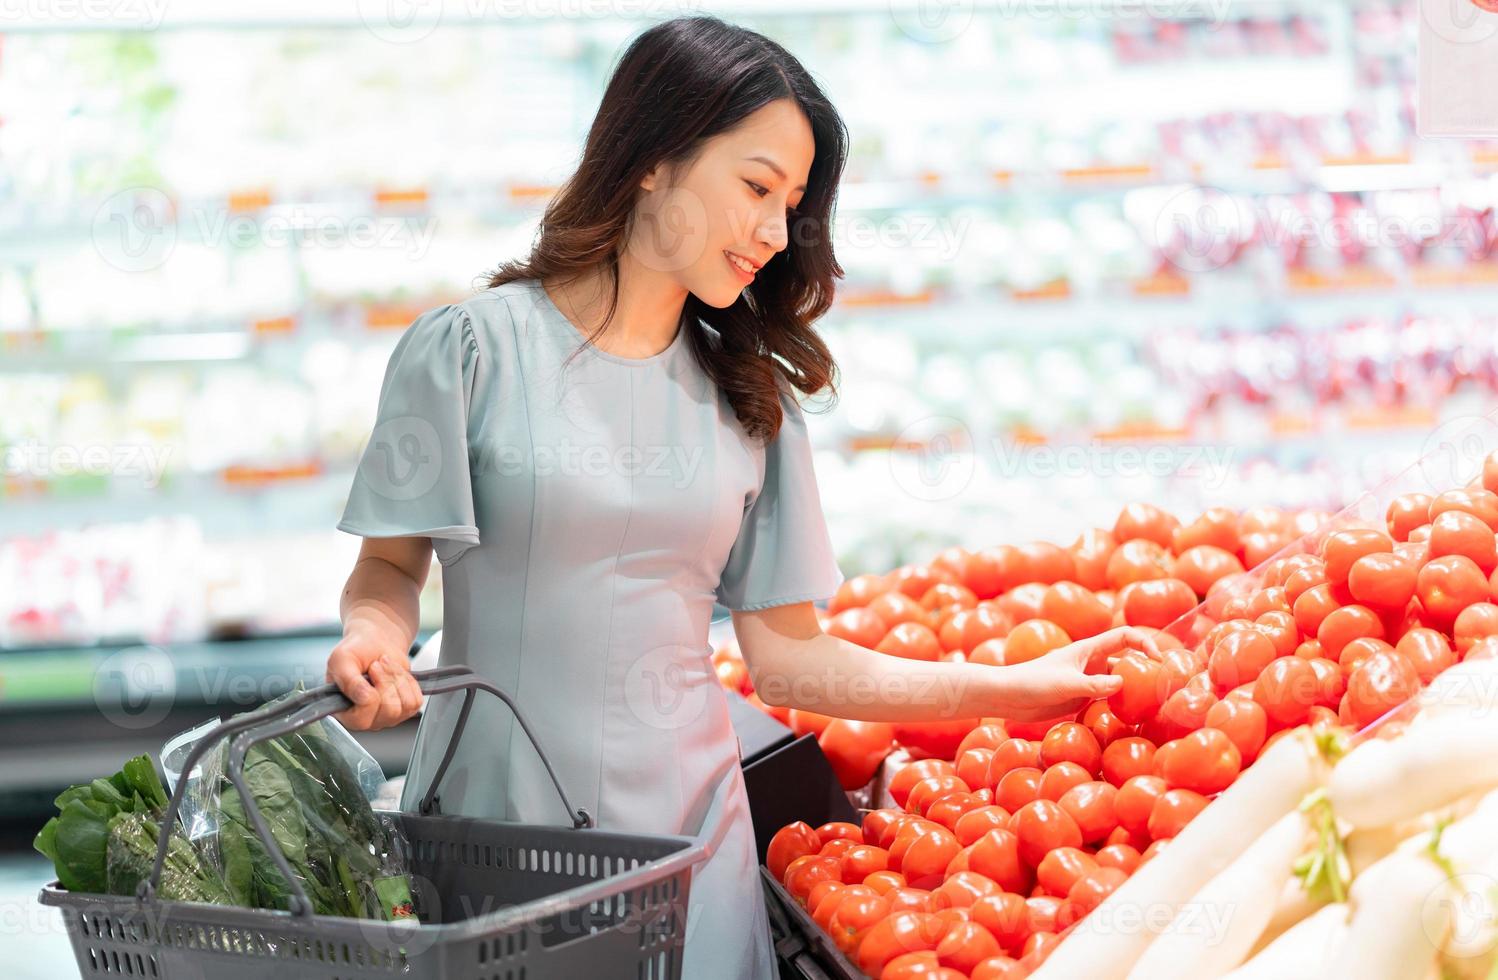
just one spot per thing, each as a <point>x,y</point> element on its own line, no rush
<point>758,190</point>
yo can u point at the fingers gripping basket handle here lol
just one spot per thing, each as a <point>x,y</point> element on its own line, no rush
<point>303,709</point>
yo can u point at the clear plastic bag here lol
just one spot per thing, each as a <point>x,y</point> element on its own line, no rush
<point>312,787</point>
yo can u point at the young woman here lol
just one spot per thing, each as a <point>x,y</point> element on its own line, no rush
<point>602,443</point>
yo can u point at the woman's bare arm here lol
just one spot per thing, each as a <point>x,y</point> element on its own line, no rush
<point>380,609</point>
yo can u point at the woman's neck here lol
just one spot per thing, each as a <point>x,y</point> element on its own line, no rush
<point>646,320</point>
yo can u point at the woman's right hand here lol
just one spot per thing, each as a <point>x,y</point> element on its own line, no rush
<point>377,679</point>
<point>1065,680</point>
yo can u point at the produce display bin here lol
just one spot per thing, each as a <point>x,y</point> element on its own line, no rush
<point>499,901</point>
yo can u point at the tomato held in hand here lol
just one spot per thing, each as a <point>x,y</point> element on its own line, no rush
<point>1032,639</point>
<point>1143,690</point>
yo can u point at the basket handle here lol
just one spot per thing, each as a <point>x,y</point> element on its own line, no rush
<point>302,709</point>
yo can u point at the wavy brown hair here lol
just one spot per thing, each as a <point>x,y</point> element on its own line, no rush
<point>678,84</point>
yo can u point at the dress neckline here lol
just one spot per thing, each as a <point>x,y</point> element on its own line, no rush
<point>544,298</point>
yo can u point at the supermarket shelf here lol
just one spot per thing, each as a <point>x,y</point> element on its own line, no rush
<point>280,14</point>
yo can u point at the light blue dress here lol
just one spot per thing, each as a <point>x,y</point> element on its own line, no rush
<point>586,518</point>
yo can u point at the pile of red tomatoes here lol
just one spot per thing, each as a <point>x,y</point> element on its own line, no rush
<point>1004,834</point>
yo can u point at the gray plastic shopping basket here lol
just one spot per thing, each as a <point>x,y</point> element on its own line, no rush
<point>496,901</point>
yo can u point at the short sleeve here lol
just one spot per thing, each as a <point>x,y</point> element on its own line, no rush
<point>413,478</point>
<point>783,553</point>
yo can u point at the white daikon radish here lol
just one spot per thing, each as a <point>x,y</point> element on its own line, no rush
<point>1469,849</point>
<point>1294,905</point>
<point>1467,688</point>
<point>1303,951</point>
<point>1108,941</point>
<point>1401,915</point>
<point>1214,931</point>
<point>1385,781</point>
<point>1369,845</point>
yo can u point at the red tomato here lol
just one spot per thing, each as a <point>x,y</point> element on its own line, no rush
<point>930,789</point>
<point>1348,623</point>
<point>862,860</point>
<point>1136,800</point>
<point>1428,652</point>
<point>877,822</point>
<point>1138,560</point>
<point>859,590</point>
<point>972,766</point>
<point>1206,761</point>
<point>1480,503</point>
<point>1031,639</point>
<point>1090,554</point>
<point>948,809</point>
<point>965,945</point>
<point>1448,585</point>
<point>904,780</point>
<point>1104,725</point>
<point>1303,579</point>
<point>912,641</point>
<point>1287,689</point>
<point>1056,780</point>
<point>1173,811</point>
<point>934,739</point>
<point>1047,563</point>
<point>1017,787</point>
<point>1456,532</point>
<point>1014,753</point>
<point>1382,681</point>
<point>859,625</point>
<point>1383,580</point>
<point>899,933</point>
<point>977,822</point>
<point>1042,826</point>
<point>1006,916</point>
<point>925,861</point>
<point>915,580</point>
<point>1089,890</point>
<point>894,608</point>
<point>1473,623</point>
<point>1128,757</point>
<point>1314,605</point>
<point>804,872</point>
<point>1239,657</point>
<point>1022,603</point>
<point>991,571</point>
<point>1075,609</point>
<point>1145,521</point>
<point>1071,742</point>
<point>1061,868</point>
<point>1185,710</point>
<point>790,842</point>
<point>1359,650</point>
<point>1279,626</point>
<point>1330,682</point>
<point>1216,527</point>
<point>1342,548</point>
<point>1406,513</point>
<point>1091,805</point>
<point>1143,689</point>
<point>996,856</point>
<point>1204,565</point>
<point>1123,857</point>
<point>1157,602</point>
<point>855,749</point>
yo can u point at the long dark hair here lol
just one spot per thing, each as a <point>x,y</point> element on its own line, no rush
<point>677,84</point>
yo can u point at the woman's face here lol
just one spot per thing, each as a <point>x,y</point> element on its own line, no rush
<point>732,201</point>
